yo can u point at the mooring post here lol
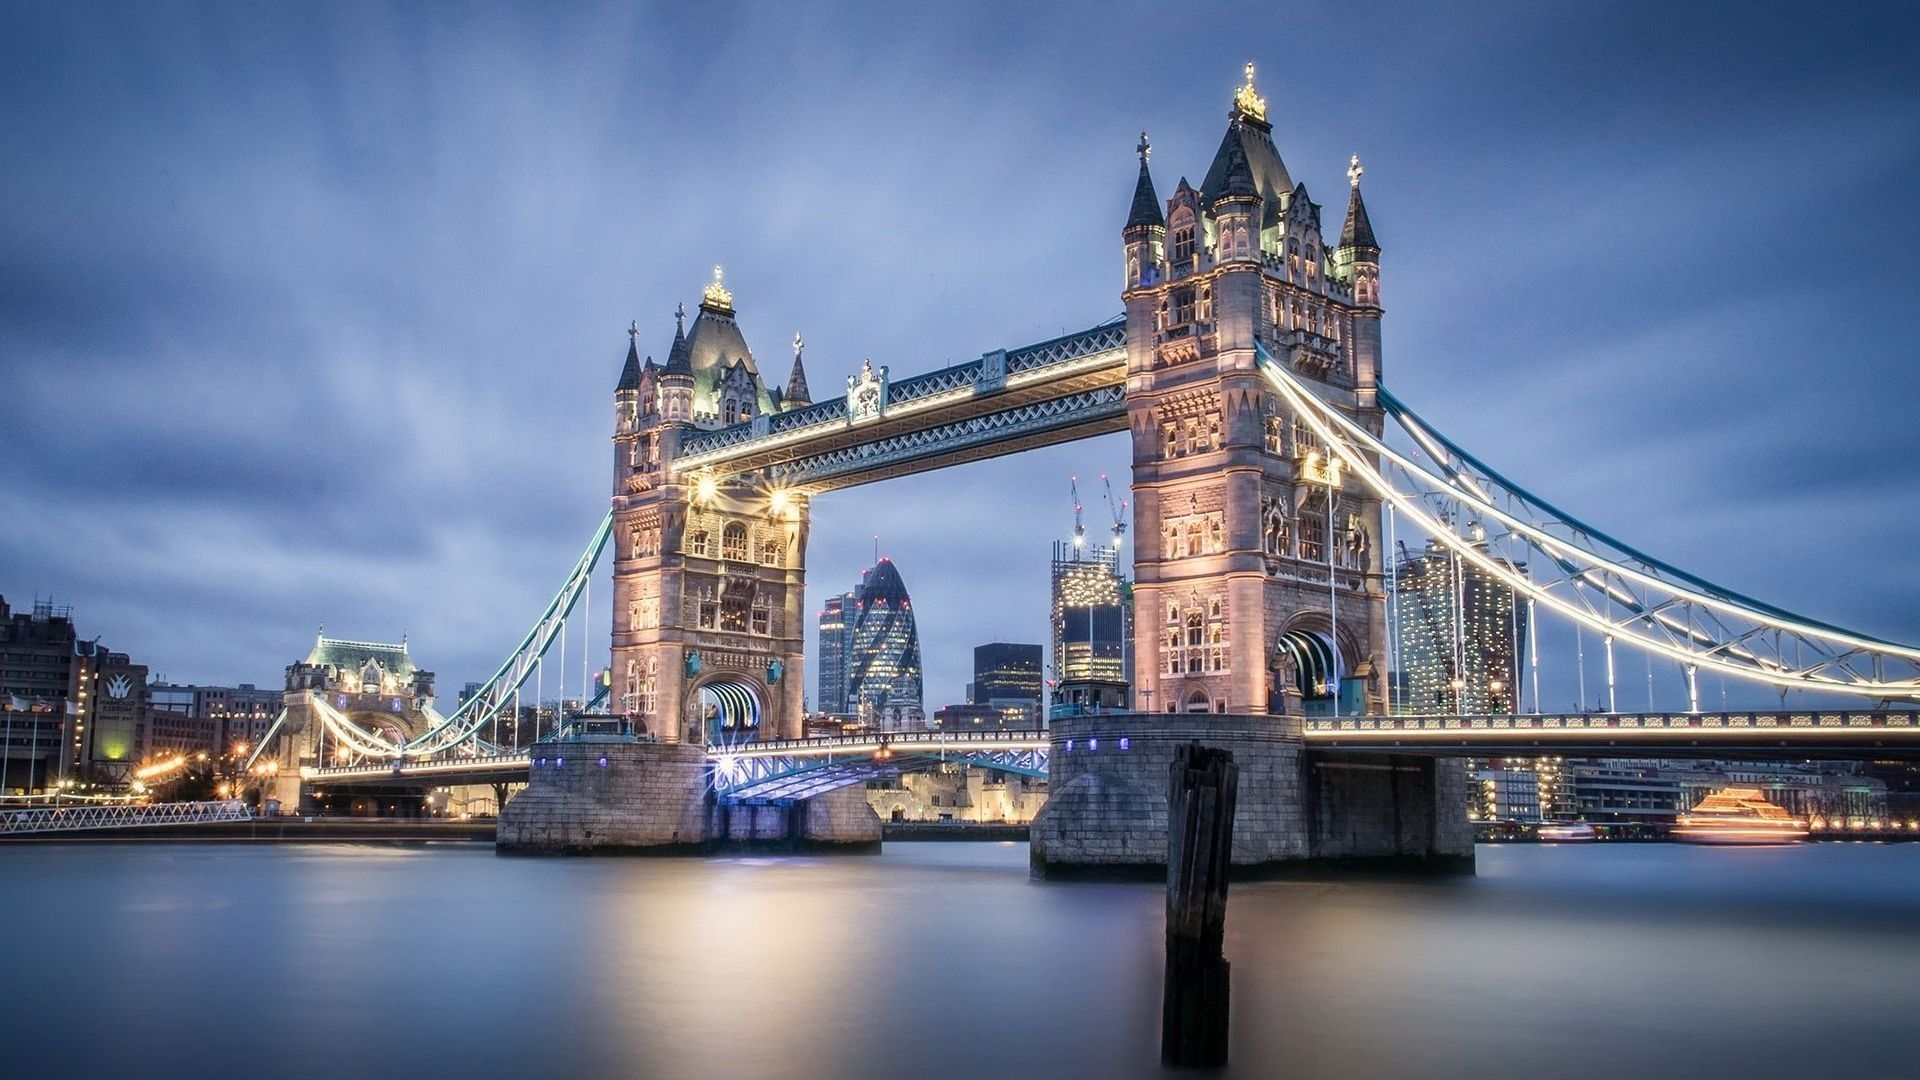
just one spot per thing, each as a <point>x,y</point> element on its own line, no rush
<point>1200,804</point>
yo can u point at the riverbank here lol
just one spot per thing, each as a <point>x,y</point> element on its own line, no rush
<point>281,830</point>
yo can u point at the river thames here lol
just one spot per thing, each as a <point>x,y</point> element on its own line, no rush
<point>944,960</point>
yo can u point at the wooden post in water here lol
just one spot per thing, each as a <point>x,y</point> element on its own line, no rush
<point>1200,805</point>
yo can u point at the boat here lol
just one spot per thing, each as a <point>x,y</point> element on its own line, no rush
<point>1566,832</point>
<point>1738,815</point>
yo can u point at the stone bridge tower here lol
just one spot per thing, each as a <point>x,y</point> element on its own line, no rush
<point>708,574</point>
<point>1241,520</point>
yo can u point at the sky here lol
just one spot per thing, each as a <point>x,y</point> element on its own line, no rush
<point>312,314</point>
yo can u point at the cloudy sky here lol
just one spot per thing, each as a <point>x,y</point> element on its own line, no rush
<point>312,314</point>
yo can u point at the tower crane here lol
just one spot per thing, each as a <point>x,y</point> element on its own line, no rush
<point>1079,530</point>
<point>1119,512</point>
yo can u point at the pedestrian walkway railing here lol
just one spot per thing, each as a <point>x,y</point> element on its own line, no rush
<point>124,816</point>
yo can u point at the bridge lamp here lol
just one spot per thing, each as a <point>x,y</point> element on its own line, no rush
<point>780,500</point>
<point>706,487</point>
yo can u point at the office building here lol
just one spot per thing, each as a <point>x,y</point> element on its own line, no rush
<point>1460,637</point>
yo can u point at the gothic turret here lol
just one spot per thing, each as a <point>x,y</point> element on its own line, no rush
<point>630,372</point>
<point>797,393</point>
<point>676,378</point>
<point>1146,230</point>
<point>1357,259</point>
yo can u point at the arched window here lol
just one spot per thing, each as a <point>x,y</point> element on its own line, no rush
<point>1181,235</point>
<point>733,542</point>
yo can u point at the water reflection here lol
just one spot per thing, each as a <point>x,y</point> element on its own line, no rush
<point>942,960</point>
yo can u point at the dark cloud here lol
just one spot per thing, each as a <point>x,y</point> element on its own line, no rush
<point>312,315</point>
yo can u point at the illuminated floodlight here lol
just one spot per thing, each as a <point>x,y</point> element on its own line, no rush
<point>706,487</point>
<point>781,500</point>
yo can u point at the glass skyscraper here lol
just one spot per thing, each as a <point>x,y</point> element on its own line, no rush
<point>1460,635</point>
<point>836,645</point>
<point>883,658</point>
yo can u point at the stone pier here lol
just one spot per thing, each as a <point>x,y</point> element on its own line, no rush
<point>618,795</point>
<point>607,795</point>
<point>1107,811</point>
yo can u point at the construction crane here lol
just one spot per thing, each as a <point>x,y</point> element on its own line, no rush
<point>1119,511</point>
<point>1079,530</point>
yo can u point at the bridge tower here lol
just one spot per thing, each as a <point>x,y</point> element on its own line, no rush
<point>708,572</point>
<point>1240,517</point>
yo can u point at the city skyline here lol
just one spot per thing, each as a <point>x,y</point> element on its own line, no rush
<point>373,386</point>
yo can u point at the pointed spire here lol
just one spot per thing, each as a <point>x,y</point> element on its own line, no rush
<point>1238,182</point>
<point>797,393</point>
<point>630,373</point>
<point>1358,231</point>
<point>680,357</point>
<point>1146,204</point>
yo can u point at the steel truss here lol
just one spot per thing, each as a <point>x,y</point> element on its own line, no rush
<point>1053,414</point>
<point>1066,356</point>
<point>802,768</point>
<point>786,777</point>
<point>1603,585</point>
<point>119,816</point>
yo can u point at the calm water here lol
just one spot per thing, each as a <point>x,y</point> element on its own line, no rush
<point>943,960</point>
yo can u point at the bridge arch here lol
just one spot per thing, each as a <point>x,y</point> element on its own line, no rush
<point>728,708</point>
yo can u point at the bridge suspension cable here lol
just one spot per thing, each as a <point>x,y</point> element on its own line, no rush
<point>1589,577</point>
<point>462,727</point>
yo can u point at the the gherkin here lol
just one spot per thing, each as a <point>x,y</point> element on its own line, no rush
<point>883,667</point>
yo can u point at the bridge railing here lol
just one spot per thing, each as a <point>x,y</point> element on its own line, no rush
<point>428,767</point>
<point>1618,723</point>
<point>119,816</point>
<point>917,740</point>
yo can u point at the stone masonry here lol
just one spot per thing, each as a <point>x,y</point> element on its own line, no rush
<point>1108,810</point>
<point>588,795</point>
<point>1107,807</point>
<point>614,795</point>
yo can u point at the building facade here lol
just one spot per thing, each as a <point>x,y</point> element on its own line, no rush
<point>1460,636</point>
<point>883,664</point>
<point>1258,584</point>
<point>708,616</point>
<point>1092,613</point>
<point>38,650</point>
<point>836,644</point>
<point>1007,675</point>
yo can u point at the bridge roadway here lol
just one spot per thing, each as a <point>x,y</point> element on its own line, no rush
<point>798,768</point>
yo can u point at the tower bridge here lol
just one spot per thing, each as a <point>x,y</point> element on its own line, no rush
<point>1271,476</point>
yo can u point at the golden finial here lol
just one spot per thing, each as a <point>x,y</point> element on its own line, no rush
<point>716,294</point>
<point>1247,101</point>
<point>1354,170</point>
